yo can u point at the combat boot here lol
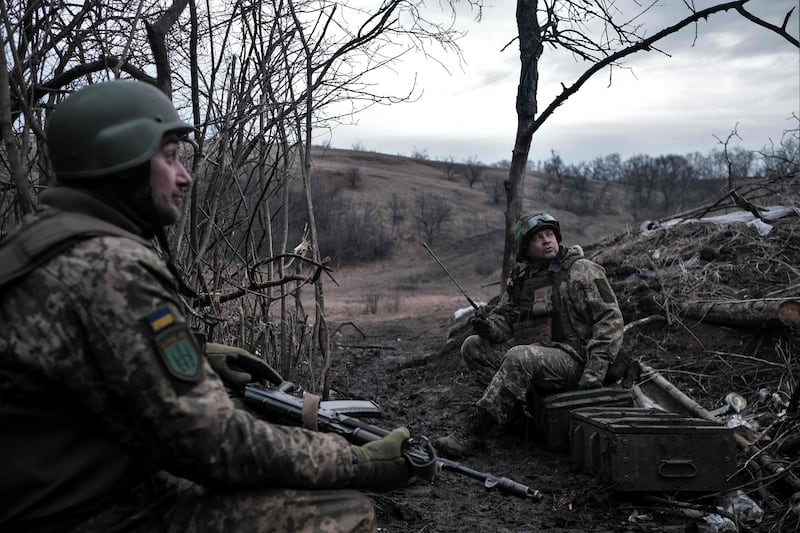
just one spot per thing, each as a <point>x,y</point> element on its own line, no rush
<point>468,436</point>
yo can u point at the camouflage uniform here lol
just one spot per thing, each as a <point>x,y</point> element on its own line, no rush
<point>582,327</point>
<point>98,405</point>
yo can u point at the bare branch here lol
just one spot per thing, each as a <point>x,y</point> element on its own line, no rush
<point>764,24</point>
<point>643,45</point>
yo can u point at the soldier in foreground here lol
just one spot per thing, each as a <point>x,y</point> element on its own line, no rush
<point>558,327</point>
<point>111,417</point>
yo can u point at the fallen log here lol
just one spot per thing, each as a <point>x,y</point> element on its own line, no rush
<point>671,397</point>
<point>756,313</point>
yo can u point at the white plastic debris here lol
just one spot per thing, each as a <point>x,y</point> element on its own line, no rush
<point>466,310</point>
<point>713,523</point>
<point>735,421</point>
<point>639,518</point>
<point>740,505</point>
<point>761,227</point>
<point>769,214</point>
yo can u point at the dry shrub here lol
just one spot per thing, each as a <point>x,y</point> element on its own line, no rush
<point>375,303</point>
<point>485,268</point>
<point>392,305</point>
<point>371,305</point>
<point>408,285</point>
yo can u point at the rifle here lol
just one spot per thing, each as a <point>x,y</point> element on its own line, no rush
<point>416,450</point>
<point>479,311</point>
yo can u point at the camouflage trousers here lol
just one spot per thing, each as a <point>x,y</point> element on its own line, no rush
<point>483,358</point>
<point>518,369</point>
<point>194,508</point>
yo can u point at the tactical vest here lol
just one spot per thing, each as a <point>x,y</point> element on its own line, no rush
<point>32,245</point>
<point>541,316</point>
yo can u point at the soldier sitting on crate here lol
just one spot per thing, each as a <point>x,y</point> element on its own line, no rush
<point>558,327</point>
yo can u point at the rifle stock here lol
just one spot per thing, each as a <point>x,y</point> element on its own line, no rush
<point>277,402</point>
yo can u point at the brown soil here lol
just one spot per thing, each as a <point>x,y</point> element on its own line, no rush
<point>405,361</point>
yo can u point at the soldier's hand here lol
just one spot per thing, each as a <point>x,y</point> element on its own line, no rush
<point>593,375</point>
<point>482,326</point>
<point>380,465</point>
<point>239,367</point>
<point>424,465</point>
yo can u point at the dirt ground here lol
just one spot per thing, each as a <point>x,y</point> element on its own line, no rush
<point>407,365</point>
<point>425,390</point>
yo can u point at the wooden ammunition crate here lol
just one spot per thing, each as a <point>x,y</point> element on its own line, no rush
<point>551,413</point>
<point>639,449</point>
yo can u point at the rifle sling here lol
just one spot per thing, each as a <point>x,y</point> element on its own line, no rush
<point>310,409</point>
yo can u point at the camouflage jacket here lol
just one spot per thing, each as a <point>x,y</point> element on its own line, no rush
<point>584,306</point>
<point>95,396</point>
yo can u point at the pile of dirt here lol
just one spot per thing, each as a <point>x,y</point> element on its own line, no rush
<point>414,372</point>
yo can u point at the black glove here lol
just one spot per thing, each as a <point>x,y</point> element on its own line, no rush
<point>482,326</point>
<point>380,465</point>
<point>239,367</point>
<point>420,466</point>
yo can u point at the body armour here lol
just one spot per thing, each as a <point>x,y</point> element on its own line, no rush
<point>54,231</point>
<point>566,303</point>
<point>541,317</point>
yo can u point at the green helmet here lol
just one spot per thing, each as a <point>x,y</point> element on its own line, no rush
<point>109,127</point>
<point>528,225</point>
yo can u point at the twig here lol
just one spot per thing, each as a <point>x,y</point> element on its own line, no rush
<point>367,346</point>
<point>748,357</point>
<point>343,324</point>
<point>643,321</point>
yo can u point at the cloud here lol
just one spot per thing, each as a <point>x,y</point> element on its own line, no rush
<point>732,72</point>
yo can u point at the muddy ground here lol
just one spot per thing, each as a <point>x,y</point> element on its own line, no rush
<point>425,390</point>
<point>409,367</point>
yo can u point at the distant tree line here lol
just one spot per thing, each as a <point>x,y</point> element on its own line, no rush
<point>659,185</point>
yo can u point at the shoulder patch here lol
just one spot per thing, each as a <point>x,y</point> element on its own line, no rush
<point>606,293</point>
<point>175,343</point>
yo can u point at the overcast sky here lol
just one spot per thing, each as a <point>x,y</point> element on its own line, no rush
<point>736,73</point>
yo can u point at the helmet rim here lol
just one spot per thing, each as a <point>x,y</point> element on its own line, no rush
<point>530,224</point>
<point>105,128</point>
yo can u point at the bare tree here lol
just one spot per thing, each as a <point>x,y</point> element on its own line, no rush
<point>432,213</point>
<point>420,154</point>
<point>782,159</point>
<point>494,185</point>
<point>597,32</point>
<point>353,175</point>
<point>450,168</point>
<point>256,79</point>
<point>472,170</point>
<point>397,209</point>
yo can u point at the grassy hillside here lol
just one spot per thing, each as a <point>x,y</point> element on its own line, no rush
<point>470,244</point>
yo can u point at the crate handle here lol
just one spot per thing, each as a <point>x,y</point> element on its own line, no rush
<point>677,468</point>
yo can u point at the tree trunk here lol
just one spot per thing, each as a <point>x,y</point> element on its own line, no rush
<point>767,313</point>
<point>530,50</point>
<point>21,185</point>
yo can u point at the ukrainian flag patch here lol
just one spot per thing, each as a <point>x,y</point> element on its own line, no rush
<point>161,318</point>
<point>175,343</point>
